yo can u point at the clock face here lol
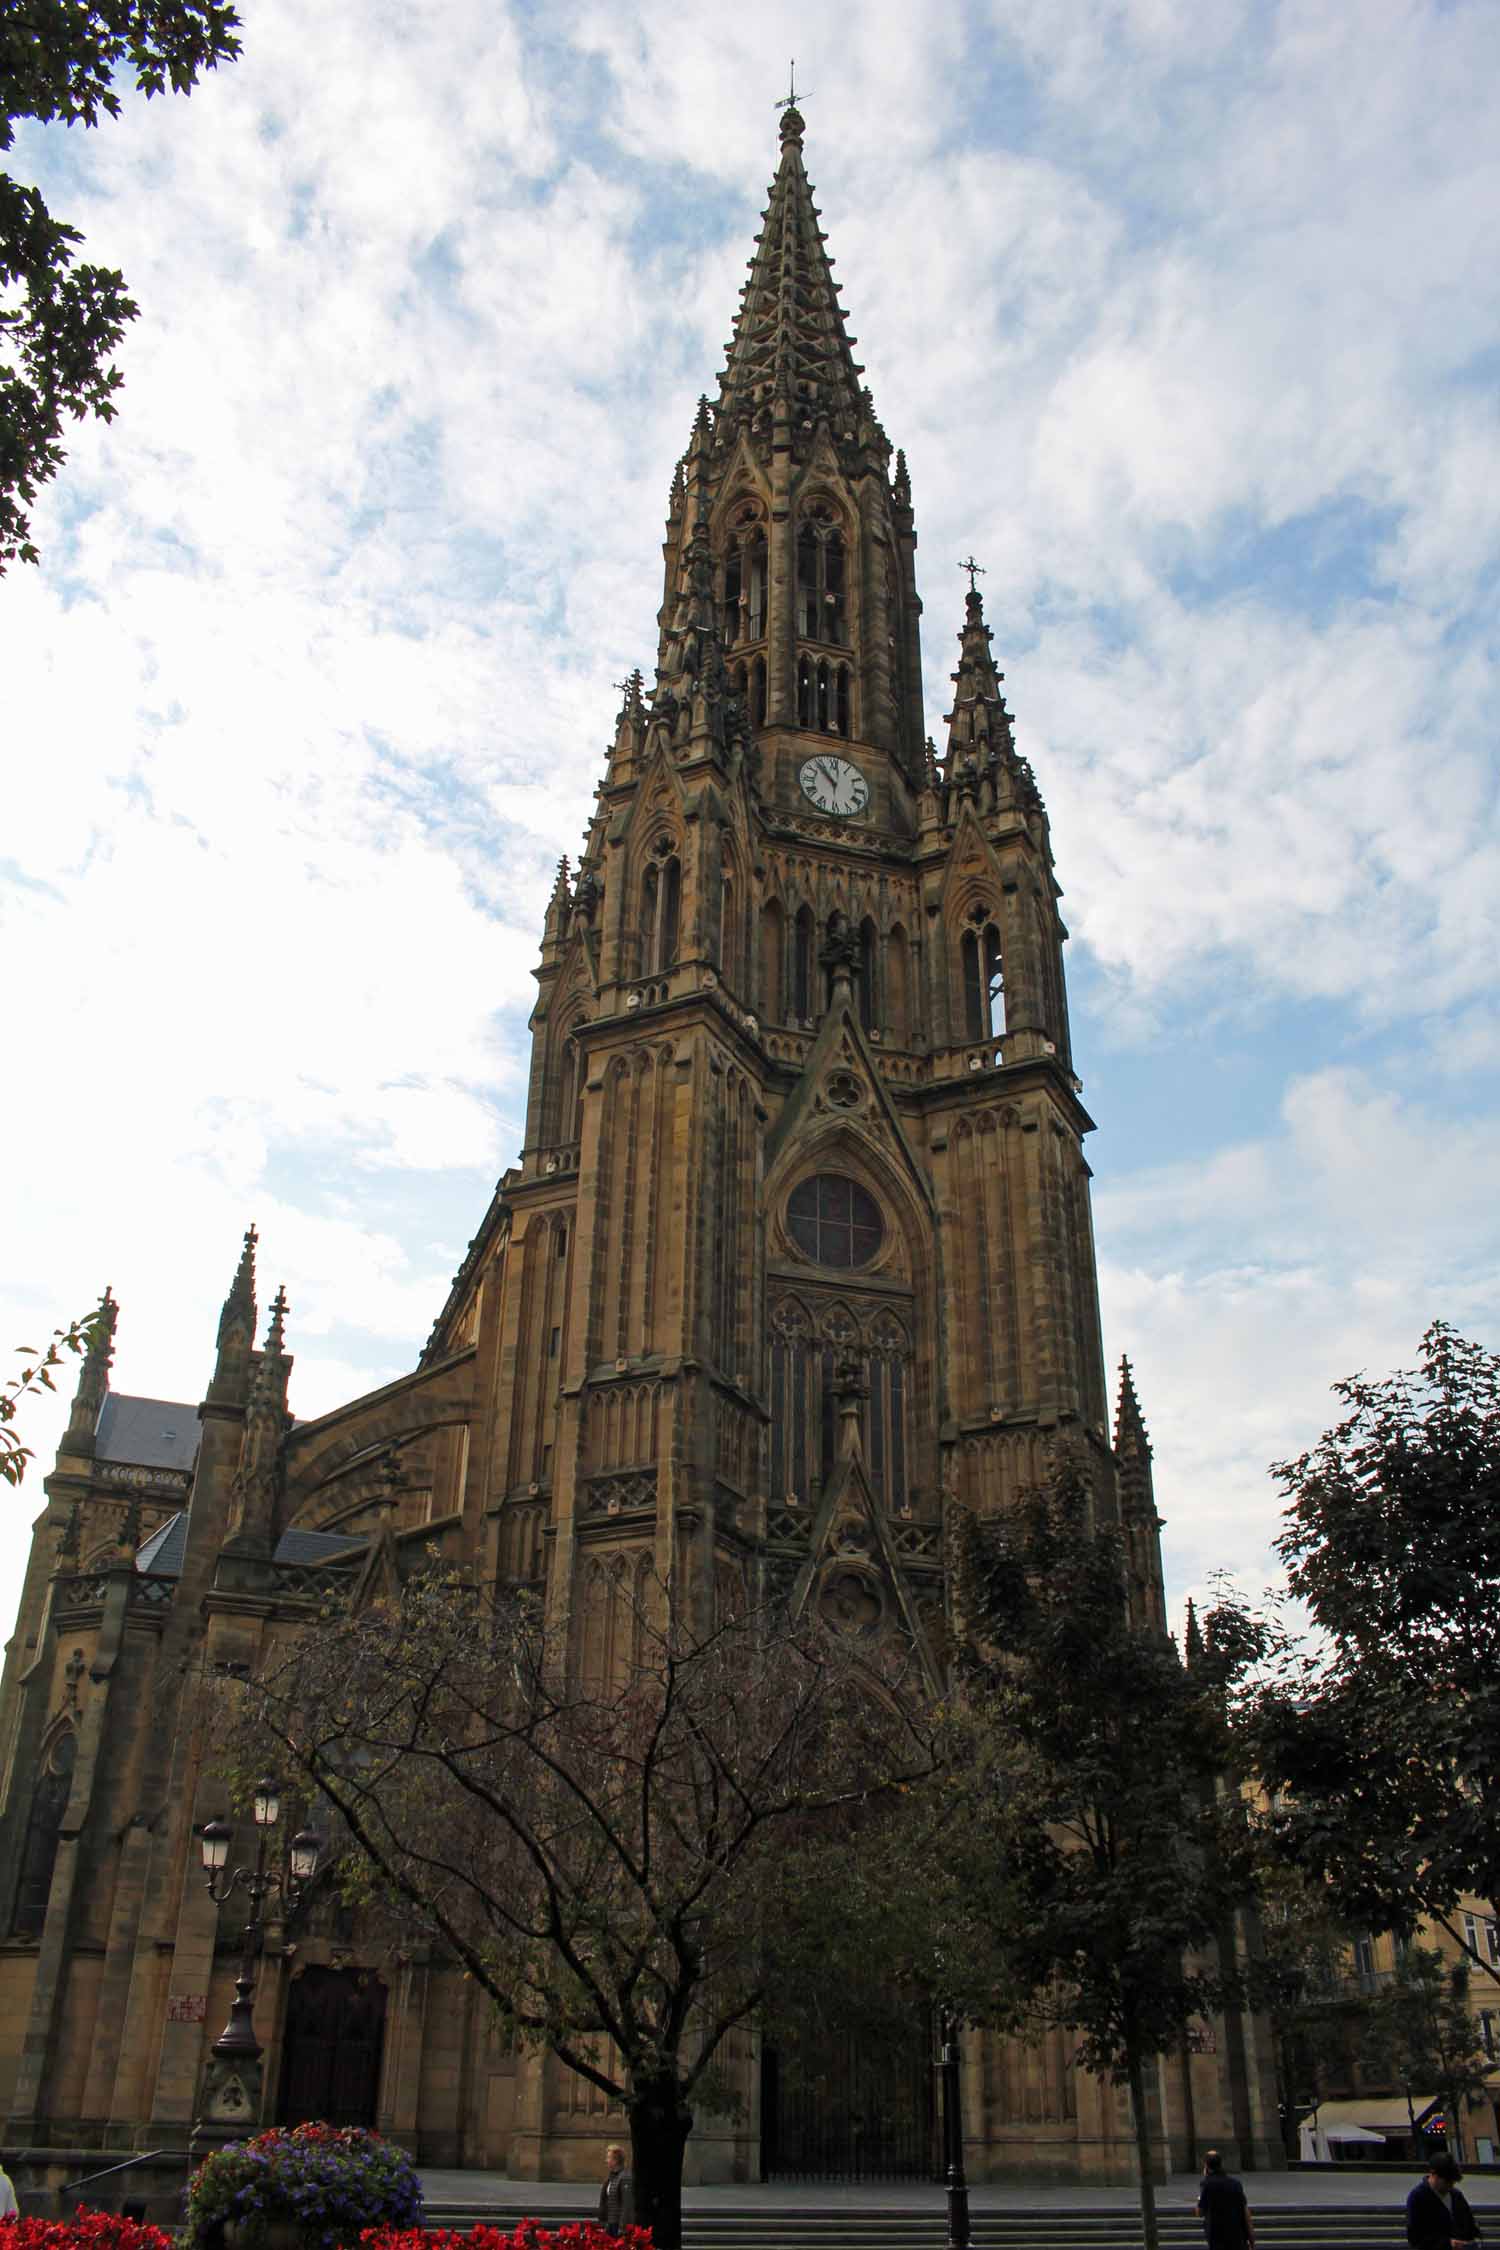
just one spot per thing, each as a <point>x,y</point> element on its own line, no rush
<point>834,785</point>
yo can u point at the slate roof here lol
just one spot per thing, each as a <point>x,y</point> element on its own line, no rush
<point>315,1546</point>
<point>151,1433</point>
<point>162,1553</point>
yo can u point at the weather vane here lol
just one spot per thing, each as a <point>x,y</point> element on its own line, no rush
<point>975,570</point>
<point>789,98</point>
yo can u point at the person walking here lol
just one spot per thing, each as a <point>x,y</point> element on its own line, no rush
<point>1438,2216</point>
<point>1228,2222</point>
<point>617,2195</point>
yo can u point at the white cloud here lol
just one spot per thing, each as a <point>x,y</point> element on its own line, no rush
<point>1245,1283</point>
<point>1184,325</point>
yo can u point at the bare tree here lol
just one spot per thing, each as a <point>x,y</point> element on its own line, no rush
<point>629,1866</point>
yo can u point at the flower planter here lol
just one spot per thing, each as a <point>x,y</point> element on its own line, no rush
<point>304,2187</point>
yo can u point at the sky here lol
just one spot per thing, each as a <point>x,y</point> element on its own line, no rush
<point>1186,319</point>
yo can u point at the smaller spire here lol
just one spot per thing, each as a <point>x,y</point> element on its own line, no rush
<point>276,1333</point>
<point>901,484</point>
<point>239,1305</point>
<point>93,1377</point>
<point>1130,1426</point>
<point>1192,1639</point>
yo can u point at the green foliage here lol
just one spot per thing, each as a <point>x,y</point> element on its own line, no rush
<point>1102,1859</point>
<point>59,323</point>
<point>1379,1746</point>
<point>36,1374</point>
<point>1421,2035</point>
<point>1318,2015</point>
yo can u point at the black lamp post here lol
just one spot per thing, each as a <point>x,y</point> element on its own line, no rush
<point>953,2135</point>
<point>232,2087</point>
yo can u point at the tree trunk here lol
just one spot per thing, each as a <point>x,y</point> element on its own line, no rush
<point>1136,2080</point>
<point>660,2122</point>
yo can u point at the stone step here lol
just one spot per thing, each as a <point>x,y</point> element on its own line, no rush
<point>762,2227</point>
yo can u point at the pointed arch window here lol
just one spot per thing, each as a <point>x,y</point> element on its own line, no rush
<point>802,964</point>
<point>742,592</point>
<point>897,986</point>
<point>772,932</point>
<point>804,1408</point>
<point>866,980</point>
<point>821,574</point>
<point>807,693</point>
<point>734,575</point>
<point>983,980</point>
<point>730,964</point>
<point>49,1801</point>
<point>661,914</point>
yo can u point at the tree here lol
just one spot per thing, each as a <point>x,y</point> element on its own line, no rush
<point>1105,1859</point>
<point>646,1859</point>
<point>1318,2015</point>
<point>1421,2034</point>
<point>36,1375</point>
<point>1381,1747</point>
<point>59,323</point>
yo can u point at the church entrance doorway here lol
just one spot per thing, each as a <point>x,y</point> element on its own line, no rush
<point>851,2109</point>
<point>335,2032</point>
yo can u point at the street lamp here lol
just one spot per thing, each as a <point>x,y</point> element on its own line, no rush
<point>237,2043</point>
<point>953,2135</point>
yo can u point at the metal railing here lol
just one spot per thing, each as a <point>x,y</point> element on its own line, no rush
<point>146,2156</point>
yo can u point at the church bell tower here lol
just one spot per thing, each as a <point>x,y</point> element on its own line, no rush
<point>796,1259</point>
<point>803,1128</point>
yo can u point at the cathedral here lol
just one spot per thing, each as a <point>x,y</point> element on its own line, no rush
<point>802,1128</point>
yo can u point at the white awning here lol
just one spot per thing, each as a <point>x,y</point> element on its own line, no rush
<point>1385,2113</point>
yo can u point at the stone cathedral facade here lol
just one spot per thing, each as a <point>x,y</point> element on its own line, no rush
<point>802,1125</point>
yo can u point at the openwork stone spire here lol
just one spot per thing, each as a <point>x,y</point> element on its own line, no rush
<point>789,336</point>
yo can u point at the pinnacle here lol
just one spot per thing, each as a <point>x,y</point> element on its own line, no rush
<point>239,1305</point>
<point>789,336</point>
<point>276,1333</point>
<point>1130,1426</point>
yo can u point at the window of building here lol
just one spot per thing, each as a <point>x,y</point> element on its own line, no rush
<point>820,577</point>
<point>866,980</point>
<point>983,982</point>
<point>804,1405</point>
<point>802,964</point>
<point>49,1801</point>
<point>742,601</point>
<point>834,1222</point>
<point>661,907</point>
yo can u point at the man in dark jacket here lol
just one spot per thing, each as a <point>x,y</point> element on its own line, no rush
<point>1437,2214</point>
<point>617,2196</point>
<point>1227,2222</point>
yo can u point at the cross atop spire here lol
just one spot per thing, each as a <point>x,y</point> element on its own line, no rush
<point>975,570</point>
<point>789,98</point>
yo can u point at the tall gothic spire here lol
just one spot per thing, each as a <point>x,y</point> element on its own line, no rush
<point>789,336</point>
